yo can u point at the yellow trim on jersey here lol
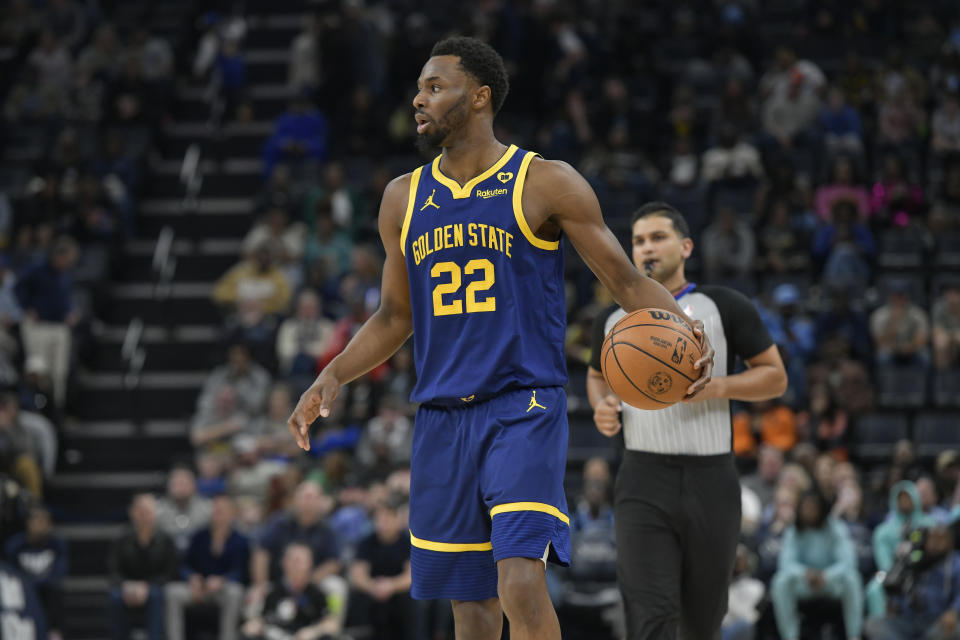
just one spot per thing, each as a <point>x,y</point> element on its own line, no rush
<point>459,192</point>
<point>518,208</point>
<point>449,547</point>
<point>530,506</point>
<point>411,201</point>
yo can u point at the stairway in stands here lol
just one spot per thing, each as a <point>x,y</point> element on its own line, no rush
<point>126,436</point>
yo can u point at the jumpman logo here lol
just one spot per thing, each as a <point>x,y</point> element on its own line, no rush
<point>534,403</point>
<point>430,202</point>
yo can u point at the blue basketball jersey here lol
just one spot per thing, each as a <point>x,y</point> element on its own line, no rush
<point>487,294</point>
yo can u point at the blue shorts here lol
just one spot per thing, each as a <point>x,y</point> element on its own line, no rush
<point>486,484</point>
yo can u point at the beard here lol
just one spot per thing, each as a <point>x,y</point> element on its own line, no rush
<point>453,119</point>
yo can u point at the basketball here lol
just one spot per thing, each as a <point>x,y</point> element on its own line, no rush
<point>647,358</point>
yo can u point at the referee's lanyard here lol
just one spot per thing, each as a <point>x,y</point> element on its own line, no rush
<point>687,289</point>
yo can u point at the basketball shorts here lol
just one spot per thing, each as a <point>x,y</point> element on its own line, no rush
<point>487,484</point>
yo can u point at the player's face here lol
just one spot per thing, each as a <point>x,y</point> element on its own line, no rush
<point>658,250</point>
<point>441,102</point>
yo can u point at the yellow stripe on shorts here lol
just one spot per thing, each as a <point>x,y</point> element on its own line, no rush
<point>449,547</point>
<point>530,506</point>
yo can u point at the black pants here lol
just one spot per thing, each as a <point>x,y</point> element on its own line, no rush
<point>678,521</point>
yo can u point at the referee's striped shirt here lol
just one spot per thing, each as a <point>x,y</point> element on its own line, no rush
<point>701,428</point>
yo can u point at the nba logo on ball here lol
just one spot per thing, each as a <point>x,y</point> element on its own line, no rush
<point>659,383</point>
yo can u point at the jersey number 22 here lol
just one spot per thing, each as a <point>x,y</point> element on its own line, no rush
<point>455,306</point>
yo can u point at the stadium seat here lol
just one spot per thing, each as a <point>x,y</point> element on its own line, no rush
<point>900,249</point>
<point>936,432</point>
<point>948,249</point>
<point>902,387</point>
<point>946,388</point>
<point>878,433</point>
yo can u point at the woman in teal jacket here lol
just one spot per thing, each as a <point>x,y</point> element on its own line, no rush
<point>817,559</point>
<point>906,514</point>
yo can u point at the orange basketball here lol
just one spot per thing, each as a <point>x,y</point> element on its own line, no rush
<point>647,358</point>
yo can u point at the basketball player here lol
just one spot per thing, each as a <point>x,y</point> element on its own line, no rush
<point>474,269</point>
<point>677,496</point>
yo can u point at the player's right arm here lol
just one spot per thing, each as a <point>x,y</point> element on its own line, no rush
<point>380,336</point>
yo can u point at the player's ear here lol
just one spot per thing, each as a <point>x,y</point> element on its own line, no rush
<point>687,246</point>
<point>481,97</point>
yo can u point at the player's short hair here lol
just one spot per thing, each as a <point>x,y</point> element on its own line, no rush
<point>663,210</point>
<point>482,62</point>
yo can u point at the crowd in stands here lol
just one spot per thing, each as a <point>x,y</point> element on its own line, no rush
<point>824,182</point>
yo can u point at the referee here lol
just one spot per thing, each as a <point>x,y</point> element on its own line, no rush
<point>677,495</point>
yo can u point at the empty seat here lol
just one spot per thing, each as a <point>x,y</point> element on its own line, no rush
<point>902,387</point>
<point>900,249</point>
<point>948,249</point>
<point>936,432</point>
<point>878,433</point>
<point>946,388</point>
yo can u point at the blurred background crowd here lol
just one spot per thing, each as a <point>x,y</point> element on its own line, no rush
<point>188,205</point>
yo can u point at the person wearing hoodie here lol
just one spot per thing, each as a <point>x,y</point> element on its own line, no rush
<point>931,608</point>
<point>817,559</point>
<point>906,513</point>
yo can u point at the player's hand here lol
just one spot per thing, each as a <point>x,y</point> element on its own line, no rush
<point>704,364</point>
<point>607,415</point>
<point>315,402</point>
<point>714,389</point>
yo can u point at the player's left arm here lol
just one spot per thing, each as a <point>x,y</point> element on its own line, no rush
<point>747,337</point>
<point>557,196</point>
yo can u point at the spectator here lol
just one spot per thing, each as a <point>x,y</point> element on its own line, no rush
<point>784,246</point>
<point>843,318</point>
<point>899,118</point>
<point>906,514</point>
<point>52,62</point>
<point>182,512</point>
<point>728,247</point>
<point>746,593</point>
<point>945,127</point>
<point>328,244</point>
<point>900,329</point>
<point>817,559</point>
<point>212,431</point>
<point>295,607</point>
<point>929,611</point>
<point>233,75</point>
<point>250,381</point>
<point>895,200</point>
<point>42,557</point>
<point>763,482</point>
<point>299,134</point>
<point>214,570</point>
<point>18,450</point>
<point>141,563</point>
<point>100,58</point>
<point>254,287</point>
<point>36,397</point>
<point>732,159</point>
<point>303,338</point>
<point>930,502</point>
<point>792,106</point>
<point>946,327</point>
<point>843,185</point>
<point>841,124</point>
<point>19,606</point>
<point>844,247</point>
<point>285,239</point>
<point>381,571</point>
<point>388,438</point>
<point>304,523</point>
<point>303,70</point>
<point>45,292</point>
<point>10,311</point>
<point>272,437</point>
